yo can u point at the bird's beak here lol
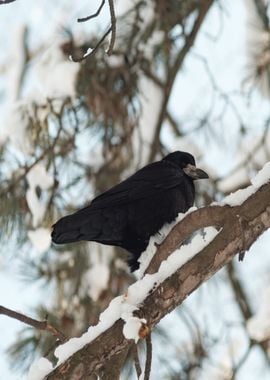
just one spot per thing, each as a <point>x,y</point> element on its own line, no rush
<point>194,172</point>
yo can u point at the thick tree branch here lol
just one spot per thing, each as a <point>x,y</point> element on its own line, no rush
<point>175,289</point>
<point>204,217</point>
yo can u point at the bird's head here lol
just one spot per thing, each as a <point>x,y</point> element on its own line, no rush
<point>187,163</point>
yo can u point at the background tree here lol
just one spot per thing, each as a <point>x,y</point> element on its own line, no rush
<point>73,129</point>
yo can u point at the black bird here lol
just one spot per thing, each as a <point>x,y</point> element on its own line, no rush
<point>128,214</point>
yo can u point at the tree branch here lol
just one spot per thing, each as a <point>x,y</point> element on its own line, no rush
<point>3,2</point>
<point>175,289</point>
<point>113,27</point>
<point>148,362</point>
<point>83,19</point>
<point>40,325</point>
<point>137,361</point>
<point>112,30</point>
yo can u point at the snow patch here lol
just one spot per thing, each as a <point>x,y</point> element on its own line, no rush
<point>132,328</point>
<point>40,369</point>
<point>106,320</point>
<point>240,196</point>
<point>57,75</point>
<point>15,125</point>
<point>98,277</point>
<point>259,325</point>
<point>37,177</point>
<point>262,177</point>
<point>157,239</point>
<point>40,238</point>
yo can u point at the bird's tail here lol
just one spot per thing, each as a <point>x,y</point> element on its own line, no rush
<point>71,228</point>
<point>63,232</point>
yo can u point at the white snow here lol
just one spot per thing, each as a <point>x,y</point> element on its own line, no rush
<point>132,327</point>
<point>150,101</point>
<point>238,197</point>
<point>56,74</point>
<point>17,61</point>
<point>106,320</point>
<point>262,177</point>
<point>14,126</point>
<point>252,153</point>
<point>40,239</point>
<point>40,369</point>
<point>148,254</point>
<point>96,278</point>
<point>37,176</point>
<point>259,325</point>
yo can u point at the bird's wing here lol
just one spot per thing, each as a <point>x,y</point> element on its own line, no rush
<point>104,221</point>
<point>153,178</point>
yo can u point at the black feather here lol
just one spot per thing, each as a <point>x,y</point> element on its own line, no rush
<point>131,212</point>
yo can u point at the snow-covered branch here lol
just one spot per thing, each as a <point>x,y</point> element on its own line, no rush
<point>241,219</point>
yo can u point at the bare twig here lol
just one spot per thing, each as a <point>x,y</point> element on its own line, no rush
<point>137,361</point>
<point>148,357</point>
<point>83,19</point>
<point>91,51</point>
<point>113,28</point>
<point>2,2</point>
<point>40,325</point>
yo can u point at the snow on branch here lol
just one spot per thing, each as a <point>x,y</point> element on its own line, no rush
<point>166,285</point>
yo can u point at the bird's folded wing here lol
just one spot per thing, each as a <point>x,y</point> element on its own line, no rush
<point>153,178</point>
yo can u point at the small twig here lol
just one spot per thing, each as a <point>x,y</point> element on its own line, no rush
<point>148,362</point>
<point>40,325</point>
<point>2,2</point>
<point>83,19</point>
<point>92,51</point>
<point>113,28</point>
<point>137,361</point>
